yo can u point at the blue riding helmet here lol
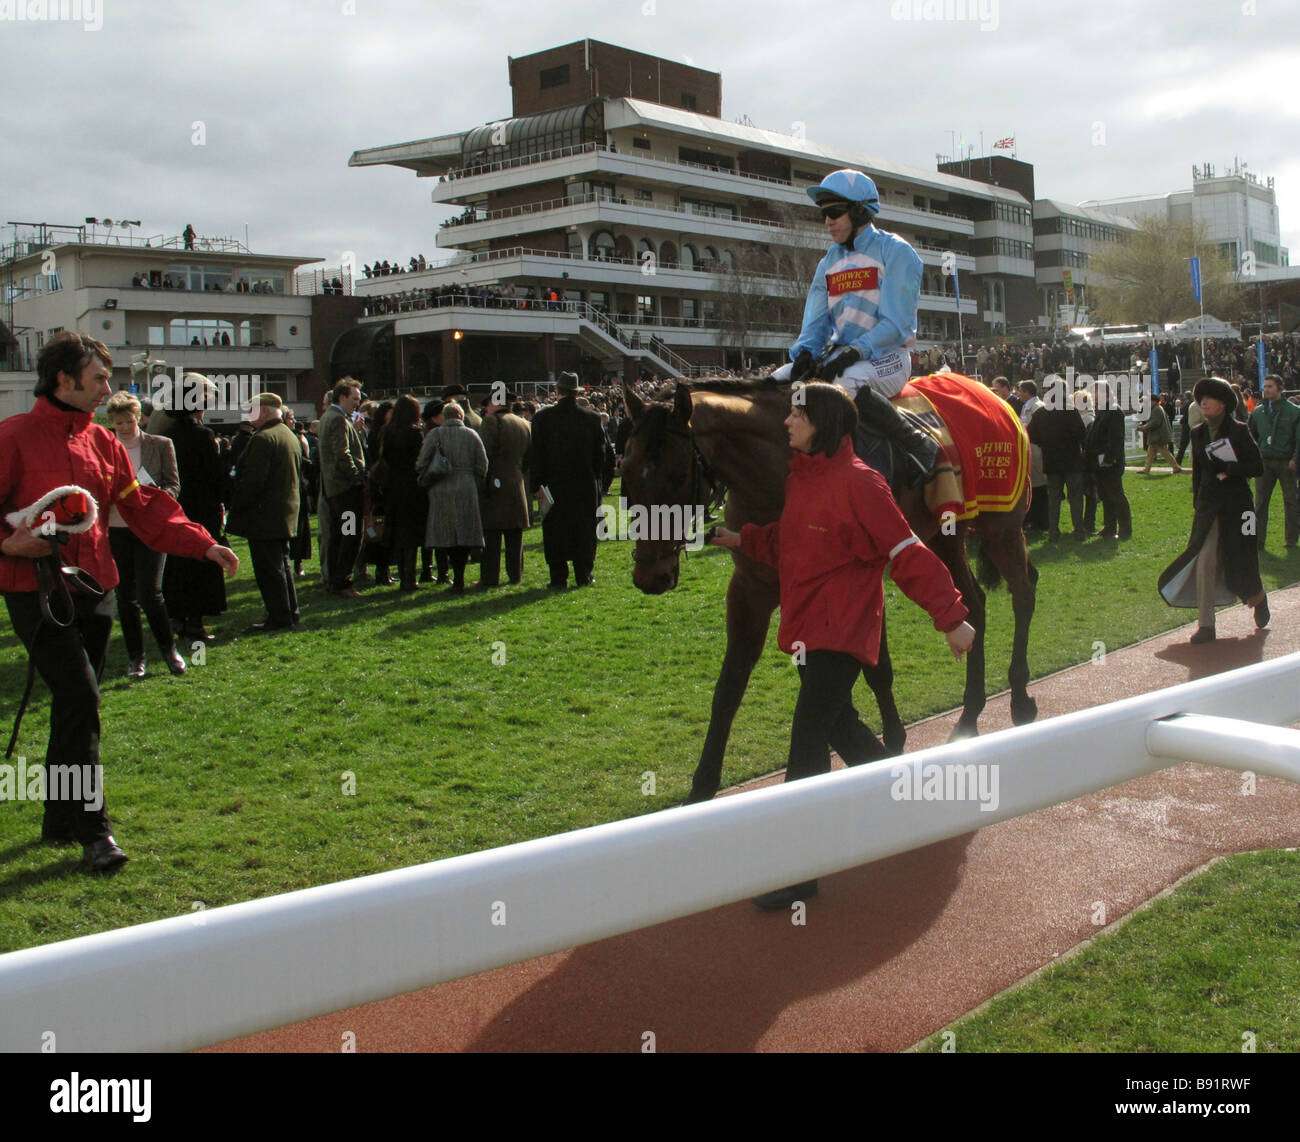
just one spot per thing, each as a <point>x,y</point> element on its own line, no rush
<point>850,185</point>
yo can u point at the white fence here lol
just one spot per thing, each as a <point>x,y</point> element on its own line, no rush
<point>198,979</point>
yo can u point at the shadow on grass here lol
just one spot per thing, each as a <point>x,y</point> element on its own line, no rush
<point>61,868</point>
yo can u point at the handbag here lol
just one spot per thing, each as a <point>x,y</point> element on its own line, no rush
<point>439,466</point>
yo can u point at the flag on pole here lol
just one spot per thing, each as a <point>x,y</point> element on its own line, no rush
<point>1006,144</point>
<point>1196,278</point>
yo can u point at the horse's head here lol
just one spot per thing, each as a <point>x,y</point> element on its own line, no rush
<point>660,474</point>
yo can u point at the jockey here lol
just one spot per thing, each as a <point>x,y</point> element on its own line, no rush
<point>863,298</point>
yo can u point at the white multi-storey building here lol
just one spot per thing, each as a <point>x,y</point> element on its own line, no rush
<point>217,309</point>
<point>615,223</point>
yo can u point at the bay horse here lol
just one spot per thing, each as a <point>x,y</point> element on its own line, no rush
<point>724,432</point>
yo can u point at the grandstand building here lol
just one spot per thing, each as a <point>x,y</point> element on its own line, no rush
<point>218,309</point>
<point>616,223</point>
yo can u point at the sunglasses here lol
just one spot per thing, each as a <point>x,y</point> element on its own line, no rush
<point>835,210</point>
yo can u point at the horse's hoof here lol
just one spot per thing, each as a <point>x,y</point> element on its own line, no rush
<point>960,733</point>
<point>1022,713</point>
<point>894,743</point>
<point>698,795</point>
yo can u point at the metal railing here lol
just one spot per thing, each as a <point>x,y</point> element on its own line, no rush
<point>265,963</point>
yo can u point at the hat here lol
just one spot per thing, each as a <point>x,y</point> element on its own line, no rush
<point>1217,389</point>
<point>452,391</point>
<point>264,399</point>
<point>432,408</point>
<point>568,383</point>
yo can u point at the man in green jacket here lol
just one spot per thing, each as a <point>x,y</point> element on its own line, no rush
<point>264,508</point>
<point>1275,425</point>
<point>343,483</point>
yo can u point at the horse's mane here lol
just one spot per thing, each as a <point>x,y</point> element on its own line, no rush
<point>652,428</point>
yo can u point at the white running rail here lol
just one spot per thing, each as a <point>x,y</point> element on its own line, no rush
<point>202,978</point>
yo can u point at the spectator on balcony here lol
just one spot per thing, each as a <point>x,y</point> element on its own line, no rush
<point>189,236</point>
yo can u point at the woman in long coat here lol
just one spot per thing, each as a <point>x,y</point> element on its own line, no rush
<point>196,587</point>
<point>406,506</point>
<point>455,525</point>
<point>1221,560</point>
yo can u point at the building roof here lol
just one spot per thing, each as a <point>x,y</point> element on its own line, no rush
<point>1088,212</point>
<point>627,112</point>
<point>443,152</point>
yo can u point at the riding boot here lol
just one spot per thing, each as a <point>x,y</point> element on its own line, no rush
<point>881,417</point>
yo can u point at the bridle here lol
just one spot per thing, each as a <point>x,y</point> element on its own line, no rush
<point>706,488</point>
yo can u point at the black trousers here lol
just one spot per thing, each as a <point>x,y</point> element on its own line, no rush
<point>1116,513</point>
<point>347,512</point>
<point>140,576</point>
<point>70,660</point>
<point>824,713</point>
<point>514,544</point>
<point>275,579</point>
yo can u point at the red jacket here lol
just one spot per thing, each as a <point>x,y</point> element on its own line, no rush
<point>839,530</point>
<point>50,447</point>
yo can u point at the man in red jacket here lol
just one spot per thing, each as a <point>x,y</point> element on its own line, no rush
<point>56,445</point>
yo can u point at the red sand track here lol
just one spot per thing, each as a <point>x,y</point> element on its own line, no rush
<point>894,950</point>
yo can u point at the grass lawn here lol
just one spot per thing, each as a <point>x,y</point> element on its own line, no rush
<point>404,729</point>
<point>1194,971</point>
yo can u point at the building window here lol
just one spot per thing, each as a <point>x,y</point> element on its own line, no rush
<point>705,158</point>
<point>690,258</point>
<point>688,101</point>
<point>641,144</point>
<point>645,307</point>
<point>56,281</point>
<point>157,335</point>
<point>601,247</point>
<point>688,309</point>
<point>555,76</point>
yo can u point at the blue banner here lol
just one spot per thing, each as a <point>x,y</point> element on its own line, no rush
<point>1196,279</point>
<point>1155,372</point>
<point>1259,358</point>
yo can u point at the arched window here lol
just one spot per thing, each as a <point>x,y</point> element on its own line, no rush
<point>645,246</point>
<point>727,261</point>
<point>602,246</point>
<point>690,259</point>
<point>710,260</point>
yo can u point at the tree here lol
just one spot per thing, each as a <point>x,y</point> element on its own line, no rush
<point>1147,279</point>
<point>765,286</point>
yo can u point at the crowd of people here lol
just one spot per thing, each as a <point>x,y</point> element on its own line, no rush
<point>157,279</point>
<point>386,268</point>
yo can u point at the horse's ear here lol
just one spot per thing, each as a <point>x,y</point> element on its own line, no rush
<point>682,403</point>
<point>635,405</point>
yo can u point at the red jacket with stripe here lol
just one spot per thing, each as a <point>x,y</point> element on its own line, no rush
<point>51,447</point>
<point>838,531</point>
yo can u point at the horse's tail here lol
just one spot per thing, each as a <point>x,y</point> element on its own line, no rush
<point>986,571</point>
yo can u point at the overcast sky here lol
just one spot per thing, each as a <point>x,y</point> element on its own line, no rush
<point>1108,98</point>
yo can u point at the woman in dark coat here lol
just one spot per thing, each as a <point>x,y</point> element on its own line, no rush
<point>376,547</point>
<point>196,587</point>
<point>406,504</point>
<point>1221,561</point>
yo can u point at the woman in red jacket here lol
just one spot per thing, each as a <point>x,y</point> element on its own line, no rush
<point>839,530</point>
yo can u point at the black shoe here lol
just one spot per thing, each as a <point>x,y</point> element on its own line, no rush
<point>426,576</point>
<point>1125,535</point>
<point>879,416</point>
<point>1203,634</point>
<point>589,581</point>
<point>175,663</point>
<point>200,632</point>
<point>135,668</point>
<point>457,589</point>
<point>553,586</point>
<point>103,855</point>
<point>1104,535</point>
<point>784,897</point>
<point>268,627</point>
<point>1262,615</point>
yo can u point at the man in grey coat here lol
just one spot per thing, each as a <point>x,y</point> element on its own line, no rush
<point>264,508</point>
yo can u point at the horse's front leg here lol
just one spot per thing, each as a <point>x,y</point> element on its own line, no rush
<point>750,604</point>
